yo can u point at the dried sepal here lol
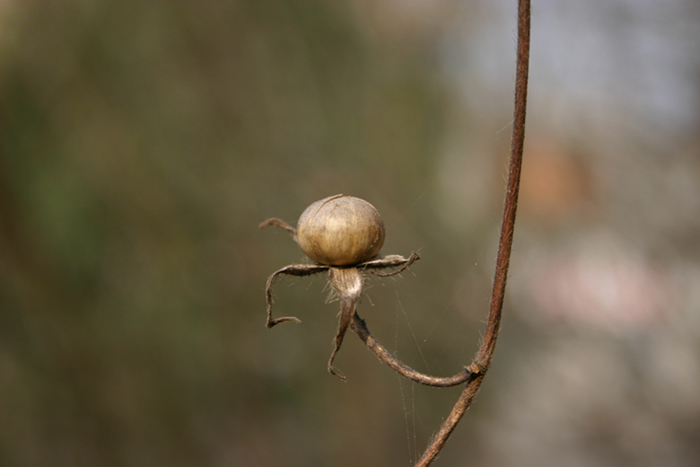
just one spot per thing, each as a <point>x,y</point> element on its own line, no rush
<point>390,261</point>
<point>298,270</point>
<point>347,284</point>
<point>279,223</point>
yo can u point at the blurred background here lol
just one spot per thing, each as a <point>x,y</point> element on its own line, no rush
<point>141,143</point>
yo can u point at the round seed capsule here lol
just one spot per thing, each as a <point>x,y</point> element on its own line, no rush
<point>340,231</point>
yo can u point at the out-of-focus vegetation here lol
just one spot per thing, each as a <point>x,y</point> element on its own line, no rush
<point>141,143</point>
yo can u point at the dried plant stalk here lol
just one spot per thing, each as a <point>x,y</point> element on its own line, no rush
<point>345,276</point>
<point>483,358</point>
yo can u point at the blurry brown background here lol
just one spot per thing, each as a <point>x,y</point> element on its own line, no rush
<point>141,143</point>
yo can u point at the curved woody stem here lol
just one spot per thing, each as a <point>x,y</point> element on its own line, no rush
<point>474,374</point>
<point>483,358</point>
<point>360,328</point>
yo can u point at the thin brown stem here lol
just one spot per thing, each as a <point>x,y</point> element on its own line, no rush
<point>360,328</point>
<point>483,358</point>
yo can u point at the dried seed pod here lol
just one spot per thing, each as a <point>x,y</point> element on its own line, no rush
<point>344,234</point>
<point>340,231</point>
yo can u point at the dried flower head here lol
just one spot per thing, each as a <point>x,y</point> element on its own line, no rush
<point>343,234</point>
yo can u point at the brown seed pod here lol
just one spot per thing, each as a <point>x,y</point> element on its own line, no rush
<point>340,231</point>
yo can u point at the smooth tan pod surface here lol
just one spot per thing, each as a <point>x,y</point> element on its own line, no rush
<point>340,231</point>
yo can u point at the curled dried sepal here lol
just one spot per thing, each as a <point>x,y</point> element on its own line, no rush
<point>279,223</point>
<point>347,284</point>
<point>391,261</point>
<point>299,270</point>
